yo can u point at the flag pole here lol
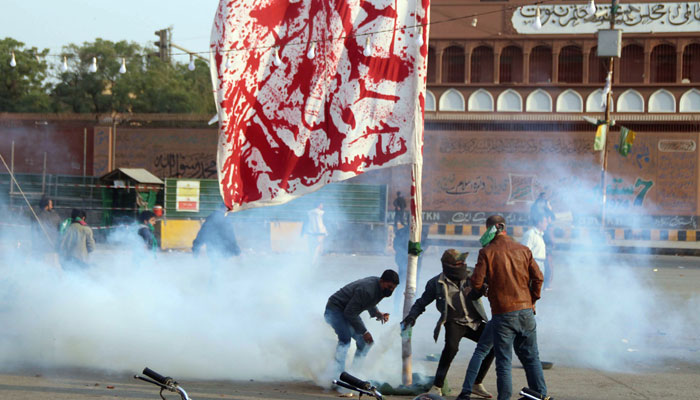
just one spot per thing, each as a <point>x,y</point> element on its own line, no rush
<point>608,121</point>
<point>414,250</point>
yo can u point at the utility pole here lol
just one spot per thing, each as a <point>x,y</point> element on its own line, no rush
<point>163,44</point>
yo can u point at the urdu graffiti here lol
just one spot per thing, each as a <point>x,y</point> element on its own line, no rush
<point>182,165</point>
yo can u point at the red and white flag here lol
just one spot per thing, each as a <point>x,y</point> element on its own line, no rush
<point>315,91</point>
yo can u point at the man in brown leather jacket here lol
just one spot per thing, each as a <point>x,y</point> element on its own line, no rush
<point>511,279</point>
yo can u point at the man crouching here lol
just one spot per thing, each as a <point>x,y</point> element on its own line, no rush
<point>345,306</point>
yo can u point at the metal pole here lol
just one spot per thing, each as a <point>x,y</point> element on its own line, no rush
<point>12,170</point>
<point>114,144</point>
<point>84,152</point>
<point>43,177</point>
<point>608,121</point>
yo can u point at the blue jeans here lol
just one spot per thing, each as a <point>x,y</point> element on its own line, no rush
<point>483,347</point>
<point>345,331</point>
<point>517,331</point>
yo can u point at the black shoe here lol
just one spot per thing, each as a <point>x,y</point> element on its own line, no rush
<point>463,396</point>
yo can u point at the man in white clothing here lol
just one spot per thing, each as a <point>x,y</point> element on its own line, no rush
<point>316,231</point>
<point>534,240</point>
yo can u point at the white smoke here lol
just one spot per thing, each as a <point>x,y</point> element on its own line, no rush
<point>257,316</point>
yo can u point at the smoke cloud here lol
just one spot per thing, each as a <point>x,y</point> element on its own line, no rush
<point>260,315</point>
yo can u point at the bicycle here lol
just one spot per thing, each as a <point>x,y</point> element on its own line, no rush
<point>164,382</point>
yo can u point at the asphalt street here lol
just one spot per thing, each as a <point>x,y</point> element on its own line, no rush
<point>654,364</point>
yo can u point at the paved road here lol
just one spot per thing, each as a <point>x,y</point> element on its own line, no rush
<point>611,334</point>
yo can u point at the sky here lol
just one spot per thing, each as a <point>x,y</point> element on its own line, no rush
<point>54,23</point>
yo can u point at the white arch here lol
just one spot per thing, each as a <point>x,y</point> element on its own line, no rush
<point>662,101</point>
<point>630,101</point>
<point>594,102</point>
<point>429,101</point>
<point>690,101</point>
<point>569,101</point>
<point>481,100</point>
<point>452,100</point>
<point>538,101</point>
<point>509,100</point>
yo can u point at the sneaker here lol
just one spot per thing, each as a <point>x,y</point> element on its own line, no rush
<point>435,390</point>
<point>463,396</point>
<point>479,390</point>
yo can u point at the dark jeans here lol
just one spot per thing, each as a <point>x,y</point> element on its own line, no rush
<point>517,330</point>
<point>341,326</point>
<point>453,334</point>
<point>484,348</point>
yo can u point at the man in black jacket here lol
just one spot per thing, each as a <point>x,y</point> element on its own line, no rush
<point>345,306</point>
<point>461,312</point>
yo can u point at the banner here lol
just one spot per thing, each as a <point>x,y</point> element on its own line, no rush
<point>601,133</point>
<point>310,92</point>
<point>626,140</point>
<point>187,196</point>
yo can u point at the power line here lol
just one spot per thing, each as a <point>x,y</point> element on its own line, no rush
<point>357,35</point>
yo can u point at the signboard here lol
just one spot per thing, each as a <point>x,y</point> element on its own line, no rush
<point>187,196</point>
<point>631,17</point>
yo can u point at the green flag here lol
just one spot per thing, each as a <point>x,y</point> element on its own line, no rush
<point>600,137</point>
<point>626,139</point>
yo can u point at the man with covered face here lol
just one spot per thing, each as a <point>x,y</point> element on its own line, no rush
<point>345,306</point>
<point>461,312</point>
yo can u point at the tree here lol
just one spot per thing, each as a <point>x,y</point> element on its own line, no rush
<point>170,88</point>
<point>106,90</point>
<point>149,84</point>
<point>23,87</point>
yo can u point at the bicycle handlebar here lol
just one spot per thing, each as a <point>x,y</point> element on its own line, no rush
<point>165,383</point>
<point>165,380</point>
<point>357,382</point>
<point>363,387</point>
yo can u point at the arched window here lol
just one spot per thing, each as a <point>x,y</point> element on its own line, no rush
<point>691,63</point>
<point>569,101</point>
<point>432,66</point>
<point>597,67</point>
<point>632,64</point>
<point>663,64</point>
<point>630,101</point>
<point>594,102</point>
<point>509,100</point>
<point>453,65</point>
<point>541,64</point>
<point>482,65</point>
<point>662,101</point>
<point>690,101</point>
<point>511,65</point>
<point>571,65</point>
<point>481,100</point>
<point>538,101</point>
<point>452,100</point>
<point>430,101</point>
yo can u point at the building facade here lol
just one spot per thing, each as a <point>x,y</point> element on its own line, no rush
<point>505,104</point>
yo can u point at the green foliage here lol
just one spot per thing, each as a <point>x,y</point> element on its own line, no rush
<point>23,88</point>
<point>148,86</point>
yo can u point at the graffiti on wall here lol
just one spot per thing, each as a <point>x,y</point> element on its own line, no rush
<point>506,171</point>
<point>182,165</point>
<point>169,153</point>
